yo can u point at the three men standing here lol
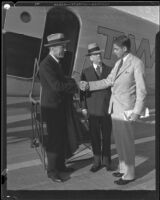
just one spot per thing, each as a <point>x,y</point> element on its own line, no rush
<point>95,104</point>
<point>126,104</point>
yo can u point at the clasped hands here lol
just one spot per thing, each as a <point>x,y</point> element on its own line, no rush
<point>83,85</point>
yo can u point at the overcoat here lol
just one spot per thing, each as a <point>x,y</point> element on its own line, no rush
<point>54,84</point>
<point>56,92</point>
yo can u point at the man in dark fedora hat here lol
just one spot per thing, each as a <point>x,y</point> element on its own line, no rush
<point>95,105</point>
<point>54,88</point>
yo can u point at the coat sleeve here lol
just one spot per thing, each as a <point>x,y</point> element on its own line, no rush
<point>139,74</point>
<point>83,93</point>
<point>57,85</point>
<point>104,83</point>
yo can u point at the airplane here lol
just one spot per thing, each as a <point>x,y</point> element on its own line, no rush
<point>27,27</point>
<point>25,30</point>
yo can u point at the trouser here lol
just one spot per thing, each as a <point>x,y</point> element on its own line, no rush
<point>124,141</point>
<point>100,131</point>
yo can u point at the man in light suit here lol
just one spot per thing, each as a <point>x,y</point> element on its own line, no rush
<point>128,96</point>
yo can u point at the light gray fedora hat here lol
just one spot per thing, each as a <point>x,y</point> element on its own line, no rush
<point>56,39</point>
<point>93,49</point>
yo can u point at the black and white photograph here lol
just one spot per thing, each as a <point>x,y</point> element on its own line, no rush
<point>79,100</point>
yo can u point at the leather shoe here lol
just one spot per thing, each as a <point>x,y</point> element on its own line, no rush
<point>109,167</point>
<point>58,177</point>
<point>123,181</point>
<point>106,162</point>
<point>66,169</point>
<point>95,168</point>
<point>55,177</point>
<point>117,174</point>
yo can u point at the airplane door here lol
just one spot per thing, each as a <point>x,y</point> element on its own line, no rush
<point>62,20</point>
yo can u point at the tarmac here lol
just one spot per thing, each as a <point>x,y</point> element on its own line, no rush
<point>27,177</point>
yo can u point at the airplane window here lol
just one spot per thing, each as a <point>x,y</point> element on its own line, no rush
<point>25,17</point>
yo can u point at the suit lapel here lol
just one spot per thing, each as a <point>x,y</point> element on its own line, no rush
<point>94,72</point>
<point>125,65</point>
<point>57,66</point>
<point>103,74</point>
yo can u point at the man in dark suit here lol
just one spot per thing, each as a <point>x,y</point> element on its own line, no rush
<point>54,88</point>
<point>95,104</point>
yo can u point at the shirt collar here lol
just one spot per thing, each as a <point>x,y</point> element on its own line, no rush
<point>54,58</point>
<point>95,66</point>
<point>125,58</point>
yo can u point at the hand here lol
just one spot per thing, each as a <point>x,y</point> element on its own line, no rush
<point>84,85</point>
<point>73,85</point>
<point>69,79</point>
<point>133,117</point>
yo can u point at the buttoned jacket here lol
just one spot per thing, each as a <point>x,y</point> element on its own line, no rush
<point>128,86</point>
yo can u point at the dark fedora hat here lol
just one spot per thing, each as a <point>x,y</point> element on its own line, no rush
<point>56,39</point>
<point>93,49</point>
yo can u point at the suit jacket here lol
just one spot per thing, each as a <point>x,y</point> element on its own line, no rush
<point>128,86</point>
<point>96,102</point>
<point>54,84</point>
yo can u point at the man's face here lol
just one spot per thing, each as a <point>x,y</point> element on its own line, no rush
<point>119,51</point>
<point>59,51</point>
<point>96,59</point>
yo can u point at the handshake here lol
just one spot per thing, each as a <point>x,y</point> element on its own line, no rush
<point>83,85</point>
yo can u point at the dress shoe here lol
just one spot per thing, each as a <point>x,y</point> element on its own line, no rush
<point>55,177</point>
<point>123,181</point>
<point>66,169</point>
<point>58,177</point>
<point>117,174</point>
<point>109,167</point>
<point>106,162</point>
<point>95,168</point>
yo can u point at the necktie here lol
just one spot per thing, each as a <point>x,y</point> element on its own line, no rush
<point>98,70</point>
<point>119,66</point>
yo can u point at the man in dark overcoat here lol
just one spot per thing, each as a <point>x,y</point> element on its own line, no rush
<point>95,105</point>
<point>54,88</point>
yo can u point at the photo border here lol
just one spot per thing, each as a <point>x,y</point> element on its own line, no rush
<point>87,194</point>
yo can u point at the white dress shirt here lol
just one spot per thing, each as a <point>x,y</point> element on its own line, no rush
<point>125,58</point>
<point>95,67</point>
<point>54,58</point>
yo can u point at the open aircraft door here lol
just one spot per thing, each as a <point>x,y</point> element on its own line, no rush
<point>62,20</point>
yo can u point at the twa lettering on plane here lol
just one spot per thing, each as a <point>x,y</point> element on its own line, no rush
<point>144,46</point>
<point>27,27</point>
